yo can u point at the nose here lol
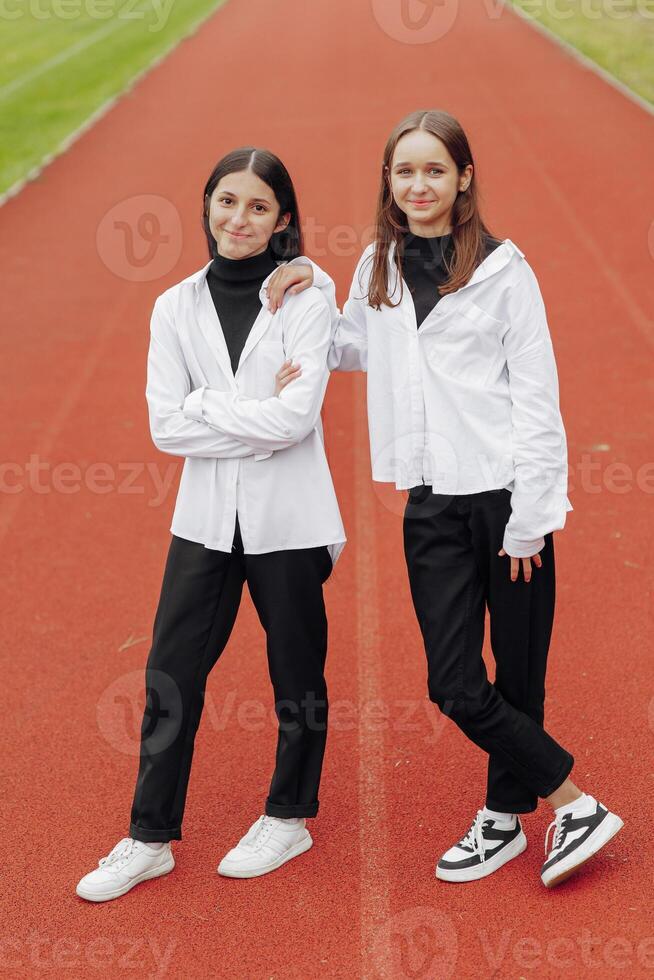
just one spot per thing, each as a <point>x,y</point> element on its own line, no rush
<point>418,184</point>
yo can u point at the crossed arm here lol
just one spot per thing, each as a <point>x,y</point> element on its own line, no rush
<point>225,424</point>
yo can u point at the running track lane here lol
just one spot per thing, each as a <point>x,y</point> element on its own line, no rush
<point>555,148</point>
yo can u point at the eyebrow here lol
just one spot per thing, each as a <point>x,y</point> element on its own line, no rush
<point>255,200</point>
<point>430,163</point>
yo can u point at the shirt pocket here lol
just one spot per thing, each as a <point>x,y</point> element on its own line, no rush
<point>270,356</point>
<point>467,345</point>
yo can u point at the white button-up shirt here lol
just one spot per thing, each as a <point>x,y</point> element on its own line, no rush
<point>247,450</point>
<point>468,401</point>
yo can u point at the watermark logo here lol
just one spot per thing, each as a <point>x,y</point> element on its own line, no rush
<point>154,13</point>
<point>419,942</point>
<point>407,460</point>
<point>125,724</point>
<point>140,238</point>
<point>415,21</point>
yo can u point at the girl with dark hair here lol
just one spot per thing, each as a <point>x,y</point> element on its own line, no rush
<point>463,412</point>
<point>256,503</point>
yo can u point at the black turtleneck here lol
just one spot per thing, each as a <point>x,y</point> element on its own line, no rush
<point>234,285</point>
<point>424,268</point>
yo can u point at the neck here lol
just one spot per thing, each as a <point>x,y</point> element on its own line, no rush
<point>433,229</point>
<point>242,258</point>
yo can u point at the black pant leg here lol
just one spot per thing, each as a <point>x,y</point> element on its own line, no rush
<point>286,588</point>
<point>449,592</point>
<point>200,596</point>
<point>521,620</point>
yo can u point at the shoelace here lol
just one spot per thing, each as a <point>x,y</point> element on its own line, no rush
<point>121,852</point>
<point>475,836</point>
<point>560,827</point>
<point>262,834</point>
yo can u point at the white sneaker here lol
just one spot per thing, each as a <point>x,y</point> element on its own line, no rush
<point>269,843</point>
<point>130,862</point>
<point>577,836</point>
<point>486,847</point>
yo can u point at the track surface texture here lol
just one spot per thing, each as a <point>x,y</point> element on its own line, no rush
<point>561,158</point>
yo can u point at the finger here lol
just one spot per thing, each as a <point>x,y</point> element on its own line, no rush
<point>514,569</point>
<point>538,561</point>
<point>289,374</point>
<point>290,378</point>
<point>283,369</point>
<point>526,569</point>
<point>276,293</point>
<point>501,552</point>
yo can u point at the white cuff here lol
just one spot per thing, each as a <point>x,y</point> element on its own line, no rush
<point>521,549</point>
<point>192,407</point>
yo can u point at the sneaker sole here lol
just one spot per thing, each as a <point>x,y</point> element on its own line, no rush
<point>512,850</point>
<point>163,869</point>
<point>295,851</point>
<point>608,828</point>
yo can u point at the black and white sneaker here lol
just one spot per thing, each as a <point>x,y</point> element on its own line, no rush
<point>577,836</point>
<point>486,847</point>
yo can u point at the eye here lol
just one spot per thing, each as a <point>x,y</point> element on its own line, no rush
<point>225,200</point>
<point>261,208</point>
<point>404,171</point>
<point>436,170</point>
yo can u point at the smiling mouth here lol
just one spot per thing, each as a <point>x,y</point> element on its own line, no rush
<point>235,234</point>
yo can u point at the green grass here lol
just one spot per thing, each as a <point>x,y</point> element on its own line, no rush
<point>616,34</point>
<point>42,103</point>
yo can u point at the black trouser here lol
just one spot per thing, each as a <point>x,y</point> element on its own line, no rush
<point>200,596</point>
<point>451,545</point>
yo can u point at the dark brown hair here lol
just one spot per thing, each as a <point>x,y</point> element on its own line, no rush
<point>286,244</point>
<point>468,229</point>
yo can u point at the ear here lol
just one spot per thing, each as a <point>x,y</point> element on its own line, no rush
<point>283,222</point>
<point>466,178</point>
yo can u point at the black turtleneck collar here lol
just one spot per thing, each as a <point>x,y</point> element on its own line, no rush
<point>244,270</point>
<point>429,252</point>
<point>425,270</point>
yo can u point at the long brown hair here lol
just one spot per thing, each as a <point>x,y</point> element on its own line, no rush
<point>468,229</point>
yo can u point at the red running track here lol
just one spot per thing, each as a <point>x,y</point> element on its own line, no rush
<point>562,158</point>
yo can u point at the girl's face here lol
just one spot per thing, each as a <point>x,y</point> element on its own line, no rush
<point>243,215</point>
<point>425,182</point>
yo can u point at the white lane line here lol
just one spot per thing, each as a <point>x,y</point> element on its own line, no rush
<point>373,832</point>
<point>583,59</point>
<point>80,379</point>
<point>62,57</point>
<point>102,109</point>
<point>612,276</point>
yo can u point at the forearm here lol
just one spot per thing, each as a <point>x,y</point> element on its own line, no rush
<point>266,425</point>
<point>177,435</point>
